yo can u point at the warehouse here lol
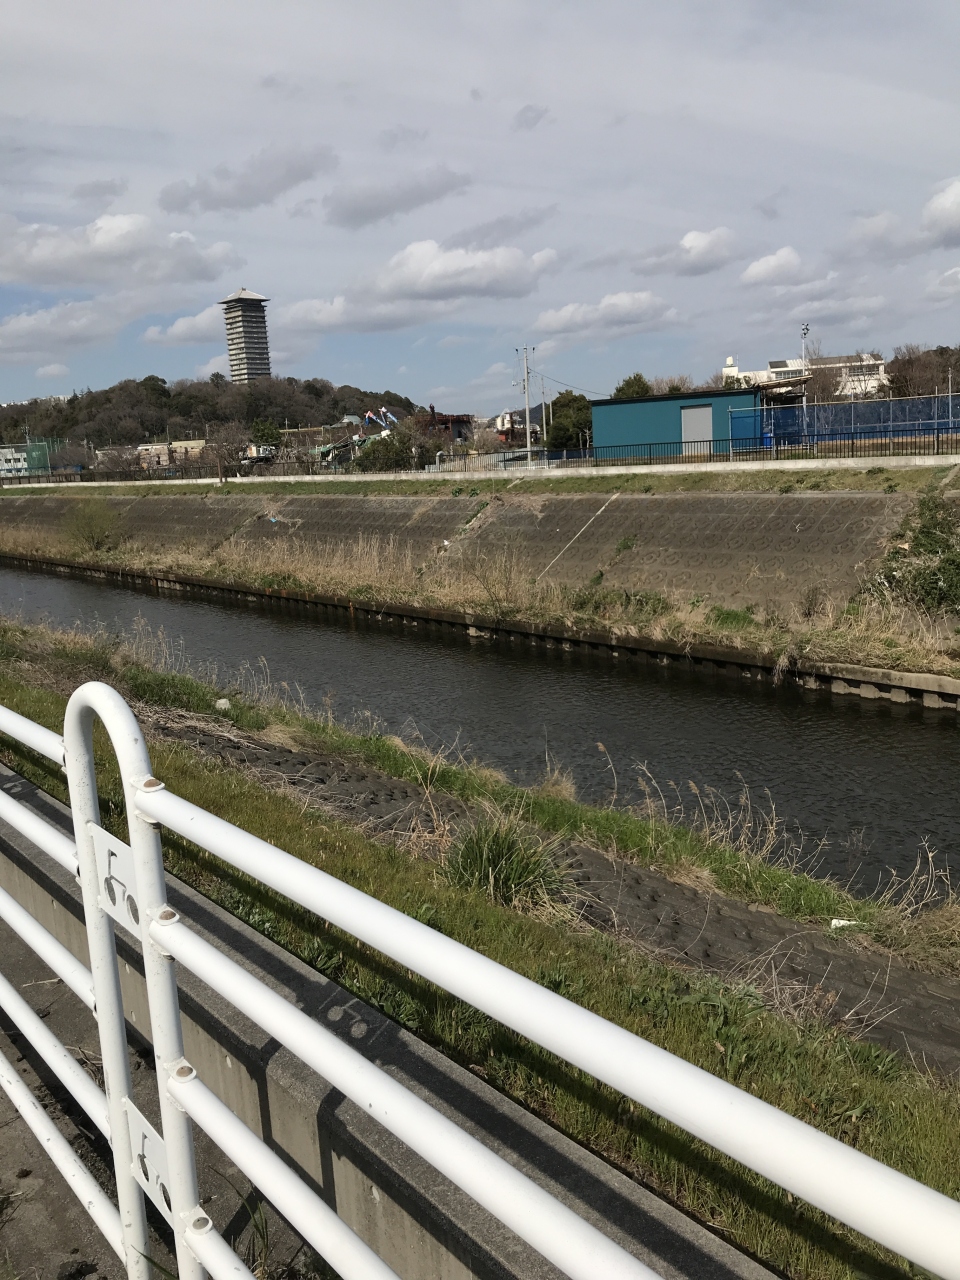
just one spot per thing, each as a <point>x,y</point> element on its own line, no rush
<point>692,422</point>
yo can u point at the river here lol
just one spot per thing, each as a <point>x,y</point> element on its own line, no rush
<point>866,781</point>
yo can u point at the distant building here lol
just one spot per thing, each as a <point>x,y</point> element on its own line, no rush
<point>862,374</point>
<point>25,459</point>
<point>247,345</point>
<point>676,424</point>
<point>175,454</point>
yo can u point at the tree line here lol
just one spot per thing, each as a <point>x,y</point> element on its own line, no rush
<point>134,412</point>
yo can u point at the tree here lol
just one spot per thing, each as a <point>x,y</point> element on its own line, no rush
<point>218,379</point>
<point>635,385</point>
<point>264,431</point>
<point>919,371</point>
<point>404,449</point>
<point>572,422</point>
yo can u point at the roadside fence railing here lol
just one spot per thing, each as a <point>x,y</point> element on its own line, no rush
<point>123,886</point>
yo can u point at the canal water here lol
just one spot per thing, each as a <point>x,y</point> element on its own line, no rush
<point>866,782</point>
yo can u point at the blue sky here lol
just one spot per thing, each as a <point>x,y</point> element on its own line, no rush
<point>422,188</point>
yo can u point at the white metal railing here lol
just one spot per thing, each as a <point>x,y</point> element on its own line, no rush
<point>123,884</point>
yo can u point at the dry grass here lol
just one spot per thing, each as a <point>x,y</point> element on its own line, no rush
<point>871,631</point>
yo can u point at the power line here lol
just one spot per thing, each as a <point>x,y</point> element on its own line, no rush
<point>600,395</point>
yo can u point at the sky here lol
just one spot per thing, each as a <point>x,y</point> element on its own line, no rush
<point>420,189</point>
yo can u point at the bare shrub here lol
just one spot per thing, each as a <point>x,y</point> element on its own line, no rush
<point>94,525</point>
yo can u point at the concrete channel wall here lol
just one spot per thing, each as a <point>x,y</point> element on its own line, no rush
<point>736,549</point>
<point>421,1224</point>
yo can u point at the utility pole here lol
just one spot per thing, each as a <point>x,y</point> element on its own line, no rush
<point>543,412</point>
<point>526,402</point>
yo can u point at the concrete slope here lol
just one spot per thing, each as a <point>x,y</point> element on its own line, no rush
<point>738,549</point>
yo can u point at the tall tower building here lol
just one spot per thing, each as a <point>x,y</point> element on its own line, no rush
<point>246,320</point>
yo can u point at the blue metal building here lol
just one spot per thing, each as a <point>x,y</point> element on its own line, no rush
<point>675,423</point>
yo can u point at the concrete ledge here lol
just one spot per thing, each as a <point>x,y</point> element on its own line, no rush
<point>891,461</point>
<point>419,1222</point>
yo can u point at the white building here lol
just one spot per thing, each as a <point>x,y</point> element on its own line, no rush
<point>861,374</point>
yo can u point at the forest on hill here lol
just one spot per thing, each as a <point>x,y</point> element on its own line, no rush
<point>134,412</point>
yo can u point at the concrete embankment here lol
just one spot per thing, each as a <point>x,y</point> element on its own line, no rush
<point>735,549</point>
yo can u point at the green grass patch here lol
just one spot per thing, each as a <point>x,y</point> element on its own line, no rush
<point>856,1092</point>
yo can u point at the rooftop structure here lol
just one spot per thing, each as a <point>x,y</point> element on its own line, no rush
<point>861,374</point>
<point>247,346</point>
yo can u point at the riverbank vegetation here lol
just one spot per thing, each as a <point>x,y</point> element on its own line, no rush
<point>900,619</point>
<point>740,850</point>
<point>855,1091</point>
<point>870,478</point>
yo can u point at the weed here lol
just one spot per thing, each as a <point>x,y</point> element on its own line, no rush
<point>731,619</point>
<point>504,857</point>
<point>813,601</point>
<point>94,525</point>
<point>625,544</point>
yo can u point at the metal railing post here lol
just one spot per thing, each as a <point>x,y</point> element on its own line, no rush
<point>84,804</point>
<point>149,904</point>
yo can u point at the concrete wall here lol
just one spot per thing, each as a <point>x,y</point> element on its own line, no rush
<point>419,1222</point>
<point>747,548</point>
<point>656,419</point>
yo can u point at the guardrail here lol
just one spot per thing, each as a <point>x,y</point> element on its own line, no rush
<point>123,885</point>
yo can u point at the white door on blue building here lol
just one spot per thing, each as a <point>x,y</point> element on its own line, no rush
<point>696,427</point>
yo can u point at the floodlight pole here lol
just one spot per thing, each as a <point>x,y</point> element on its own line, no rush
<point>804,330</point>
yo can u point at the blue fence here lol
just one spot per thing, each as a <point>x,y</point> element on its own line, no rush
<point>915,416</point>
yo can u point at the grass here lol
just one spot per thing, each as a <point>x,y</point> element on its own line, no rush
<point>739,850</point>
<point>869,478</point>
<point>852,1090</point>
<point>501,855</point>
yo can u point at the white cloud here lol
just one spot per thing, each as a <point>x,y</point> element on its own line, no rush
<point>854,310</point>
<point>940,218</point>
<point>363,205</point>
<point>258,181</point>
<point>425,270</point>
<point>529,117</point>
<point>781,267</point>
<point>123,247</point>
<point>946,287</point>
<point>207,326</point>
<point>319,315</point>
<point>614,314</point>
<point>420,283</point>
<point>218,364</point>
<point>697,253</point>
<point>52,371</point>
<point>27,336</point>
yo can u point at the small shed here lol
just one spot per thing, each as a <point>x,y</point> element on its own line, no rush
<point>686,422</point>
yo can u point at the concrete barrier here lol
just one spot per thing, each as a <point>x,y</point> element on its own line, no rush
<point>420,1224</point>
